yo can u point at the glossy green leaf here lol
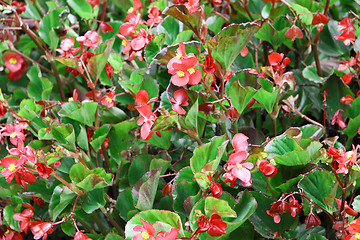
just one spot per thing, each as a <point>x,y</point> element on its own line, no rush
<point>124,203</point>
<point>206,153</point>
<point>227,44</point>
<point>240,96</point>
<point>65,135</point>
<point>191,118</point>
<point>113,236</point>
<point>82,8</point>
<point>8,214</point>
<point>310,73</point>
<point>93,201</point>
<point>83,113</point>
<point>99,136</point>
<point>218,206</point>
<point>89,179</point>
<point>317,186</point>
<point>169,28</point>
<point>267,95</point>
<point>144,190</point>
<point>39,87</point>
<point>62,197</point>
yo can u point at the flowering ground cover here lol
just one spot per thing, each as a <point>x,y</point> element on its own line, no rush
<point>181,119</point>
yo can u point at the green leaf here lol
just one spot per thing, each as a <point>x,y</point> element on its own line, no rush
<point>166,218</point>
<point>160,163</point>
<point>113,115</point>
<point>310,73</point>
<point>305,18</point>
<point>240,96</point>
<point>191,118</point>
<point>82,139</point>
<point>82,8</point>
<point>267,96</point>
<point>356,203</point>
<point>225,46</point>
<point>61,198</point>
<point>169,28</point>
<point>83,113</point>
<point>317,186</point>
<point>39,87</point>
<point>218,206</point>
<point>144,190</point>
<point>354,109</point>
<point>312,131</point>
<point>65,135</point>
<point>99,136</point>
<point>154,47</point>
<point>276,38</point>
<point>50,23</point>
<point>94,200</point>
<point>113,236</point>
<point>29,110</point>
<point>353,127</point>
<point>8,213</point>
<point>89,179</point>
<point>139,166</point>
<point>97,63</point>
<point>210,152</point>
<point>124,203</point>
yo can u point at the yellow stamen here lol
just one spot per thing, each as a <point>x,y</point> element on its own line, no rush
<point>180,73</point>
<point>349,154</point>
<point>124,43</point>
<point>12,61</point>
<point>178,55</point>
<point>357,235</point>
<point>13,135</point>
<point>191,70</point>
<point>70,99</point>
<point>145,235</point>
<point>239,166</point>
<point>11,167</point>
<point>109,100</point>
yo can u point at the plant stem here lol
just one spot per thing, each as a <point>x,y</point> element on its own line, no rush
<point>112,221</point>
<point>106,158</point>
<point>58,81</point>
<point>71,186</point>
<point>247,11</point>
<point>330,215</point>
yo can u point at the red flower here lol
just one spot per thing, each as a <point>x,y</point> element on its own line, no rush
<point>215,227</point>
<point>25,218</point>
<point>295,207</point>
<point>12,166</point>
<point>347,77</point>
<point>181,100</point>
<point>338,118</point>
<point>105,27</point>
<point>347,100</point>
<point>192,5</point>
<point>294,32</point>
<point>347,208</point>
<point>15,132</point>
<point>38,201</point>
<point>209,66</point>
<point>11,234</point>
<point>207,108</point>
<point>109,99</point>
<point>67,47</point>
<point>20,6</point>
<point>41,229</point>
<point>93,3</point>
<point>15,64</point>
<point>89,39</point>
<point>244,51</point>
<point>232,114</point>
<point>278,208</point>
<point>348,34</point>
<point>354,230</point>
<point>171,235</point>
<point>319,18</point>
<point>154,16</point>
<point>182,68</point>
<point>235,168</point>
<point>81,236</point>
<point>215,188</point>
<point>312,220</point>
<point>147,231</point>
<point>267,168</point>
<point>147,116</point>
<point>278,62</point>
<point>3,110</point>
<point>43,170</point>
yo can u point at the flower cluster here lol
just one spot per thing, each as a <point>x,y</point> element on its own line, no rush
<point>281,206</point>
<point>15,64</point>
<point>235,168</point>
<point>342,160</point>
<point>346,26</point>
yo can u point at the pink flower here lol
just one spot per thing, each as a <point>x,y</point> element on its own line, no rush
<point>235,168</point>
<point>348,31</point>
<point>171,235</point>
<point>147,231</point>
<point>182,68</point>
<point>81,236</point>
<point>192,6</point>
<point>338,118</point>
<point>181,100</point>
<point>154,16</point>
<point>41,229</point>
<point>25,218</point>
<point>89,39</point>
<point>15,132</point>
<point>109,99</point>
<point>67,47</point>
